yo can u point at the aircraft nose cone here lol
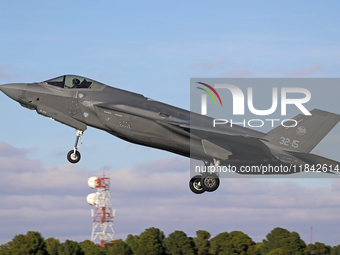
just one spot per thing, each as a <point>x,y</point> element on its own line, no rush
<point>13,90</point>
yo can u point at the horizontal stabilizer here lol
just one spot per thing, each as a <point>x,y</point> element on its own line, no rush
<point>313,159</point>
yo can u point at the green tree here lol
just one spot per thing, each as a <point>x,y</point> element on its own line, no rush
<point>4,249</point>
<point>277,251</point>
<point>70,248</point>
<point>31,243</point>
<point>118,247</point>
<point>318,248</point>
<point>335,250</point>
<point>178,243</point>
<point>151,242</point>
<point>193,244</point>
<point>258,247</point>
<point>132,242</point>
<point>218,243</point>
<point>234,243</point>
<point>289,242</point>
<point>52,246</point>
<point>89,248</point>
<point>202,242</point>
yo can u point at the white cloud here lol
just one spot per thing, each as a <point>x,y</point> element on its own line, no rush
<point>305,71</point>
<point>52,200</point>
<point>242,71</point>
<point>205,66</point>
<point>4,74</point>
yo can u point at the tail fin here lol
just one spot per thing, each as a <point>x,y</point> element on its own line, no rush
<point>309,131</point>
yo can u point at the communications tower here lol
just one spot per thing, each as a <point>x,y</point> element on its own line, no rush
<point>103,213</point>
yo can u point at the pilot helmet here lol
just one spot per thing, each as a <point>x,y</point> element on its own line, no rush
<point>75,82</point>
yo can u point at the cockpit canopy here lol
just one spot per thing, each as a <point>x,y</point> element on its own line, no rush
<point>74,82</point>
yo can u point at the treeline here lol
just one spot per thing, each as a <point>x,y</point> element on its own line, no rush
<point>153,242</point>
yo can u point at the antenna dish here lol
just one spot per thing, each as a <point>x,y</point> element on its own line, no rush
<point>93,182</point>
<point>92,199</point>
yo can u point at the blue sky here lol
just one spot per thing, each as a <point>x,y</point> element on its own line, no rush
<point>154,48</point>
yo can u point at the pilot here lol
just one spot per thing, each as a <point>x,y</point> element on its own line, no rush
<point>75,83</point>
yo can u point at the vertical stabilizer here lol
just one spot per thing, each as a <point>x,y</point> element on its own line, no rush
<point>309,131</point>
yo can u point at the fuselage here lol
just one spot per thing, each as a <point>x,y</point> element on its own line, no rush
<point>127,115</point>
<point>81,102</point>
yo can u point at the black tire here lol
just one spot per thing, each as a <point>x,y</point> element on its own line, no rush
<point>195,185</point>
<point>210,182</point>
<point>73,158</point>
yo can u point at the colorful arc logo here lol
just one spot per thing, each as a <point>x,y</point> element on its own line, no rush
<point>208,92</point>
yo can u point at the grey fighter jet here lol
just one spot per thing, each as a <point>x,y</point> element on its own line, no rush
<point>80,102</point>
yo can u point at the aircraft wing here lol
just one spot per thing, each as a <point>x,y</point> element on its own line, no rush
<point>216,142</point>
<point>131,110</point>
<point>212,131</point>
<point>231,141</point>
<point>184,124</point>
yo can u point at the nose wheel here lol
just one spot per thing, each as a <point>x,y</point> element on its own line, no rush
<point>73,156</point>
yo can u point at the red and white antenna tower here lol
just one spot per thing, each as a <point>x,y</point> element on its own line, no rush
<point>103,213</point>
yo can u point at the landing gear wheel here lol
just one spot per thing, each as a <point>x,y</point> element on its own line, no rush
<point>195,185</point>
<point>73,157</point>
<point>210,182</point>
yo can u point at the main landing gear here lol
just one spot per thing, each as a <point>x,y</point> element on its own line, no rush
<point>73,156</point>
<point>206,182</point>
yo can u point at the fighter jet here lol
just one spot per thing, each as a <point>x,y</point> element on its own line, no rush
<point>80,102</point>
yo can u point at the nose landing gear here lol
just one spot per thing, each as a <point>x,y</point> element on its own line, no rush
<point>73,156</point>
